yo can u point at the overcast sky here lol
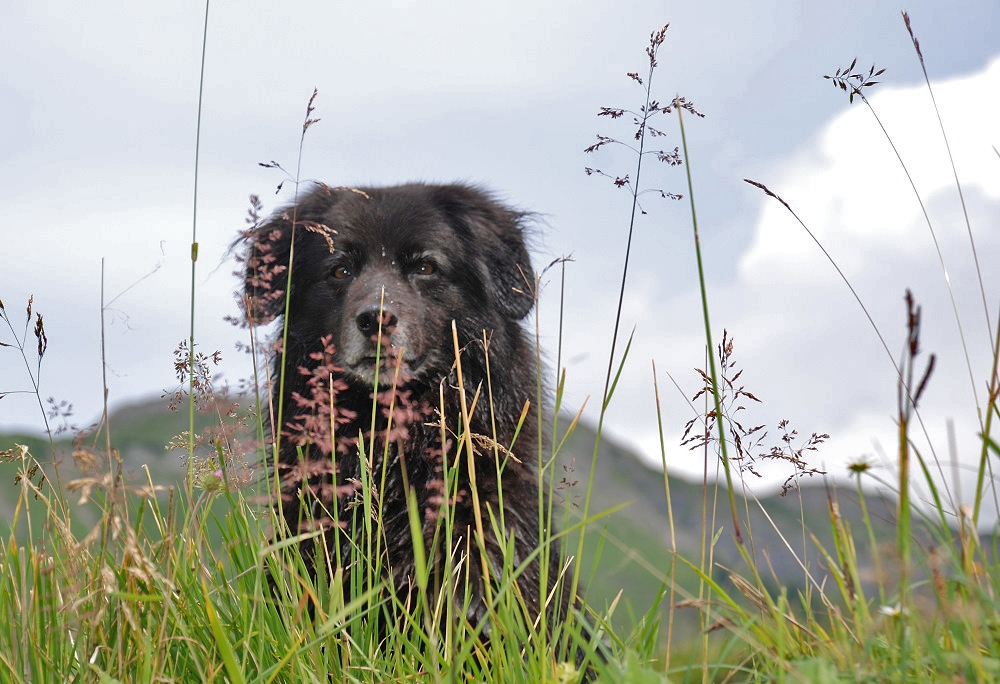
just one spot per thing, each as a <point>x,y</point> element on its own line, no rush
<point>97,131</point>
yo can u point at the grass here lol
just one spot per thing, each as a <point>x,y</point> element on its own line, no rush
<point>108,579</point>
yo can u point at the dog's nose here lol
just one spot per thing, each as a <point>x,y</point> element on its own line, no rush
<point>369,318</point>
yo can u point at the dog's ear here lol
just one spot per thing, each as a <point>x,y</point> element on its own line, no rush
<point>497,232</point>
<point>268,250</point>
<point>265,276</point>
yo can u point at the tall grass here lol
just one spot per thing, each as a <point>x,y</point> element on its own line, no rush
<point>194,585</point>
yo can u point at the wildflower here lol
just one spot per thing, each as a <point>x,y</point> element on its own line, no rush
<point>893,611</point>
<point>211,481</point>
<point>862,465</point>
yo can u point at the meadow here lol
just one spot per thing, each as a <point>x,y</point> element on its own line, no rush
<point>181,576</point>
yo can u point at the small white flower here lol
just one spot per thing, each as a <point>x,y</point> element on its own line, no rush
<point>892,611</point>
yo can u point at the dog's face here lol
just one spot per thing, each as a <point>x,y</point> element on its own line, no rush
<point>385,271</point>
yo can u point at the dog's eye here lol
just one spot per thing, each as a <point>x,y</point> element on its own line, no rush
<point>341,272</point>
<point>425,268</point>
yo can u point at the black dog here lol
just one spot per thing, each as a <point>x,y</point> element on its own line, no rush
<point>376,279</point>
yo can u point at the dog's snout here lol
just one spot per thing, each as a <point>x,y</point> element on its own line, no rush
<point>370,318</point>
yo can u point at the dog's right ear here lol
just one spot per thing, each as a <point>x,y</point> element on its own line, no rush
<point>266,274</point>
<point>268,248</point>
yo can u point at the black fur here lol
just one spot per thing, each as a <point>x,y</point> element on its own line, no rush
<point>406,261</point>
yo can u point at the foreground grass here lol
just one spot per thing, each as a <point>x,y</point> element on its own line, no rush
<point>105,579</point>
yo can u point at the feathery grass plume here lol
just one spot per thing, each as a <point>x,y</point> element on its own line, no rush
<point>57,410</point>
<point>261,268</point>
<point>747,439</point>
<point>19,343</point>
<point>852,82</point>
<point>641,120</point>
<point>792,450</point>
<point>219,455</point>
<point>644,129</point>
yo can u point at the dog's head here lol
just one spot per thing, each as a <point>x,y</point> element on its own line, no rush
<point>385,271</point>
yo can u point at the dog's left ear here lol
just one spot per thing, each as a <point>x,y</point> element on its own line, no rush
<point>499,237</point>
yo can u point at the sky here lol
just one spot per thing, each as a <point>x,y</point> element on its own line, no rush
<point>97,173</point>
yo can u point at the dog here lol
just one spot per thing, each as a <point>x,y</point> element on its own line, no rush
<point>402,362</point>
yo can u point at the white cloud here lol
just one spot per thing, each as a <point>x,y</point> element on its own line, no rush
<point>851,190</point>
